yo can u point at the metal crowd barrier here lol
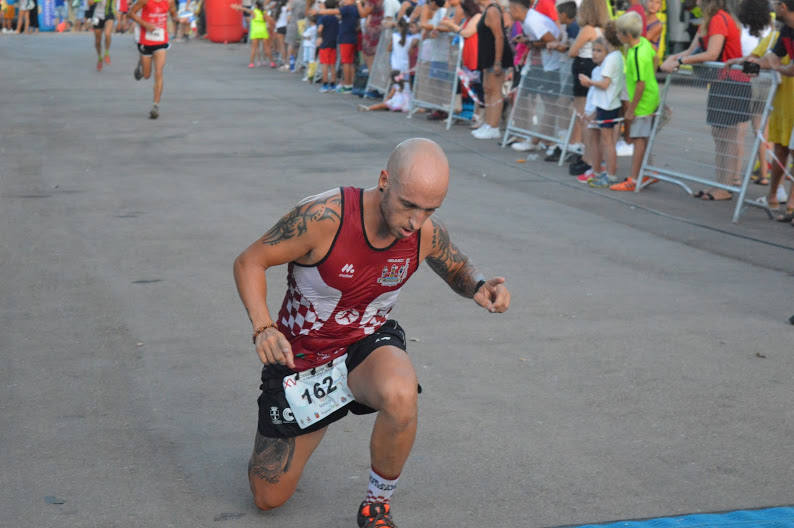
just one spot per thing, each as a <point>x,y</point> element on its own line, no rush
<point>380,72</point>
<point>711,136</point>
<point>436,77</point>
<point>543,106</point>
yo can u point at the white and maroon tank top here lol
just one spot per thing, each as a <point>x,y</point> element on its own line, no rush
<point>349,294</point>
<point>155,12</point>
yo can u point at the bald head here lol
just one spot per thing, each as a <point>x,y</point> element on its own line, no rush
<point>421,164</point>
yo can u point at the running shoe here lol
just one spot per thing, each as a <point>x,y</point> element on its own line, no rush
<point>107,58</point>
<point>154,113</point>
<point>272,64</point>
<point>586,177</point>
<point>251,65</point>
<point>525,146</point>
<point>324,88</point>
<point>554,155</point>
<point>486,132</point>
<point>629,185</point>
<point>138,72</point>
<point>579,167</point>
<point>99,65</point>
<point>600,182</point>
<point>376,515</point>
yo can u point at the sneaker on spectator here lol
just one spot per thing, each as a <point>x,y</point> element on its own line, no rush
<point>625,186</point>
<point>357,91</point>
<point>486,132</point>
<point>572,157</point>
<point>624,149</point>
<point>554,155</point>
<point>324,88</point>
<point>272,64</point>
<point>580,167</point>
<point>586,177</point>
<point>602,181</point>
<point>526,146</point>
<point>344,89</point>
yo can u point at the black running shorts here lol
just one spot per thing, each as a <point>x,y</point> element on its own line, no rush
<point>104,21</point>
<point>149,50</point>
<point>275,416</point>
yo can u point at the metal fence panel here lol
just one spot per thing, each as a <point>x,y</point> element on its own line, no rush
<point>711,136</point>
<point>380,72</point>
<point>436,77</point>
<point>543,106</point>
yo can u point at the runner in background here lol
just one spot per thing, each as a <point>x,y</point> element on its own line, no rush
<point>153,42</point>
<point>102,15</point>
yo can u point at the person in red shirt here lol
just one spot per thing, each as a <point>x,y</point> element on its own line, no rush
<point>637,7</point>
<point>332,348</point>
<point>152,36</point>
<point>728,104</point>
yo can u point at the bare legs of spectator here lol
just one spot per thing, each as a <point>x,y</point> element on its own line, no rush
<point>578,125</point>
<point>23,21</point>
<point>368,59</point>
<point>781,153</point>
<point>729,151</point>
<point>492,85</point>
<point>640,144</point>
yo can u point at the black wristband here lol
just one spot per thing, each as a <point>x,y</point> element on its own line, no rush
<point>477,288</point>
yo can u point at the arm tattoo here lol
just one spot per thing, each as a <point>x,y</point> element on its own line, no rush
<point>296,222</point>
<point>271,458</point>
<point>450,264</point>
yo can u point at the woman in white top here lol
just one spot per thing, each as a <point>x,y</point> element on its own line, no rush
<point>592,16</point>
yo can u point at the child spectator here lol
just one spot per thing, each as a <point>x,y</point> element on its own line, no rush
<point>643,92</point>
<point>592,16</point>
<point>310,47</point>
<point>402,42</point>
<point>654,26</point>
<point>328,29</point>
<point>257,33</point>
<point>606,98</point>
<point>350,13</point>
<point>399,98</point>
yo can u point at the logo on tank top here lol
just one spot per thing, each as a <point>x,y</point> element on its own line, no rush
<point>393,273</point>
<point>346,317</point>
<point>347,271</point>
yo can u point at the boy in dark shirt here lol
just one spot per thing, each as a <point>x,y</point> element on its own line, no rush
<point>350,12</point>
<point>328,29</point>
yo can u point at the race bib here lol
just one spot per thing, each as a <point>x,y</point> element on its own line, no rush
<point>316,393</point>
<point>158,35</point>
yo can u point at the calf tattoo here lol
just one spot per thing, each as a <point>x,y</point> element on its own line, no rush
<point>450,264</point>
<point>271,458</point>
<point>296,222</point>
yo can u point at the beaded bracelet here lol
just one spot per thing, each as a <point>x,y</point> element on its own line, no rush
<point>262,329</point>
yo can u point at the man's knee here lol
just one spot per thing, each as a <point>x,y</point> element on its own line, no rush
<point>400,401</point>
<point>268,497</point>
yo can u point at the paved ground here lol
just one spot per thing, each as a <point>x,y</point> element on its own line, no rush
<point>644,369</point>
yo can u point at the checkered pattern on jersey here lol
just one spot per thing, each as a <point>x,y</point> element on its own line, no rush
<point>298,314</point>
<point>377,320</point>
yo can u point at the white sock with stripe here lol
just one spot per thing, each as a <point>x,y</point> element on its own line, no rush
<point>380,488</point>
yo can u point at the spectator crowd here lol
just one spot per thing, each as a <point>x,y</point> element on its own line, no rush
<point>613,56</point>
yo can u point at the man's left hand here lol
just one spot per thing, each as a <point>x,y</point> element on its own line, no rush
<point>493,295</point>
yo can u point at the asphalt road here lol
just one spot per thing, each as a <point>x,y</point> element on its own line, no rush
<point>644,368</point>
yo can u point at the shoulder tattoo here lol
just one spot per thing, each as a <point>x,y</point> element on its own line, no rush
<point>296,222</point>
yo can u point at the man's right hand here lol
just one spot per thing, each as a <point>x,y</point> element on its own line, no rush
<point>274,349</point>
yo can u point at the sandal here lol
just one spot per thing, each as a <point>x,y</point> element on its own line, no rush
<point>788,216</point>
<point>709,197</point>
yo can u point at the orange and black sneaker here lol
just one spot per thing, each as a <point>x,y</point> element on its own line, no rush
<point>375,515</point>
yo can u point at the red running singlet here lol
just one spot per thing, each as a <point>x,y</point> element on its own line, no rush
<point>349,294</point>
<point>155,12</point>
